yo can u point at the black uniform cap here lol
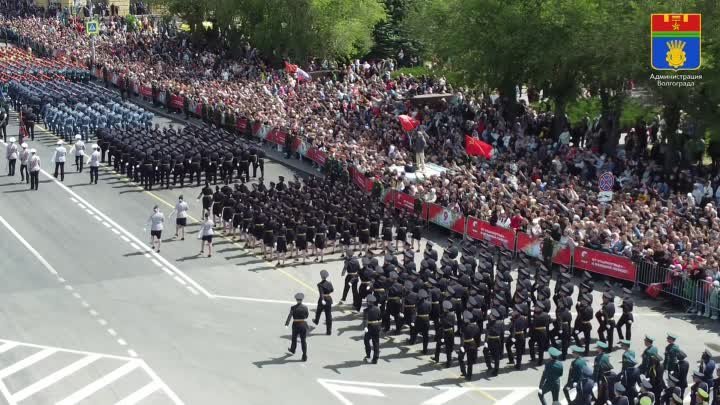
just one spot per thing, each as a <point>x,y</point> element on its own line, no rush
<point>447,305</point>
<point>299,296</point>
<point>468,316</point>
<point>371,299</point>
<point>324,274</point>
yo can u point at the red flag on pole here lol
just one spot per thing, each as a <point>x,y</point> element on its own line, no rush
<point>408,123</point>
<point>290,68</point>
<point>476,147</point>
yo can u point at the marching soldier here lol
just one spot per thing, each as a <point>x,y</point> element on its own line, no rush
<point>629,376</point>
<point>59,159</point>
<point>469,345</point>
<point>620,395</point>
<point>671,351</point>
<point>606,319</point>
<point>539,333</point>
<point>79,148</point>
<point>626,319</point>
<point>601,371</point>
<point>682,371</point>
<point>351,271</point>
<point>422,321</point>
<point>550,380</point>
<point>583,322</point>
<point>371,327</point>
<point>562,328</point>
<point>493,346</point>
<point>325,289</point>
<point>298,314</point>
<point>518,326</point>
<point>650,350</point>
<point>584,389</point>
<point>94,164</point>
<point>446,336</point>
<point>575,376</point>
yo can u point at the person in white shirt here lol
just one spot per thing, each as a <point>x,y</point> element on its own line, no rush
<point>24,158</point>
<point>156,221</point>
<point>58,157</point>
<point>79,148</point>
<point>95,157</point>
<point>181,214</point>
<point>206,234</point>
<point>11,153</point>
<point>34,166</point>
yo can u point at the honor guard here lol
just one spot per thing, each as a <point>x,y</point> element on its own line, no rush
<point>298,315</point>
<point>606,319</point>
<point>445,339</point>
<point>550,379</point>
<point>583,322</point>
<point>371,328</point>
<point>601,372</point>
<point>516,338</point>
<point>325,301</point>
<point>351,271</point>
<point>671,351</point>
<point>575,376</point>
<point>629,376</point>
<point>647,354</point>
<point>59,155</point>
<point>539,333</point>
<point>494,342</point>
<point>626,319</point>
<point>682,371</point>
<point>422,321</point>
<point>79,148</point>
<point>470,335</point>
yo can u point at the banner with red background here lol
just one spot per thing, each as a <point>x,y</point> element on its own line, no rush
<point>495,235</point>
<point>446,218</point>
<point>533,248</point>
<point>605,263</point>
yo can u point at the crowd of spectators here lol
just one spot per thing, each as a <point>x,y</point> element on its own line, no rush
<point>536,182</point>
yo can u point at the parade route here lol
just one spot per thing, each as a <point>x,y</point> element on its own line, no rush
<point>84,299</point>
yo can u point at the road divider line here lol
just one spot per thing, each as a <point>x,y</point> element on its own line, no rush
<point>98,384</point>
<point>55,377</point>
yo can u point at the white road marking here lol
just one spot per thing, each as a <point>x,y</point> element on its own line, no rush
<point>69,287</point>
<point>125,238</point>
<point>60,279</point>
<point>446,396</point>
<point>76,295</point>
<point>98,384</point>
<point>134,246</point>
<point>514,397</point>
<point>107,225</point>
<point>93,312</point>
<point>170,273</point>
<point>263,300</point>
<point>32,250</point>
<point>54,377</point>
<point>118,229</point>
<point>115,231</point>
<point>85,304</point>
<point>98,218</point>
<point>112,332</point>
<point>102,322</point>
<point>73,200</point>
<point>155,262</point>
<point>6,394</point>
<point>140,394</point>
<point>122,342</point>
<point>80,205</point>
<point>26,362</point>
<point>192,290</point>
<point>132,353</point>
<point>88,211</point>
<point>147,255</point>
<point>179,280</point>
<point>7,346</point>
<point>164,386</point>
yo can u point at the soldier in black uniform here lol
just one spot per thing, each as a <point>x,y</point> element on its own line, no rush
<point>469,345</point>
<point>539,333</point>
<point>394,304</point>
<point>325,301</point>
<point>178,169</point>
<point>626,319</point>
<point>194,167</point>
<point>351,271</point>
<point>164,170</point>
<point>212,167</point>
<point>606,319</point>
<point>422,321</point>
<point>562,328</point>
<point>494,342</point>
<point>583,322</point>
<point>371,327</point>
<point>446,335</point>
<point>518,327</point>
<point>298,314</point>
<point>409,307</point>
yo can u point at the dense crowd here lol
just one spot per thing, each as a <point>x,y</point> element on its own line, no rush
<point>535,182</point>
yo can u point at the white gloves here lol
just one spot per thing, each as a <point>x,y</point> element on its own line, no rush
<point>462,349</point>
<point>365,330</point>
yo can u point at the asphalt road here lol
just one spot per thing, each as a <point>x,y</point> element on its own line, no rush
<point>89,315</point>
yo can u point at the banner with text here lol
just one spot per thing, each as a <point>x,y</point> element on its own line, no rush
<point>177,102</point>
<point>605,263</point>
<point>317,156</point>
<point>533,248</point>
<point>364,183</point>
<point>495,235</point>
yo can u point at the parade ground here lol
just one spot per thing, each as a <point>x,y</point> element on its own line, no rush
<point>91,315</point>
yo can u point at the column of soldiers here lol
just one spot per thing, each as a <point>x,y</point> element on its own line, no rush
<point>156,157</point>
<point>468,306</point>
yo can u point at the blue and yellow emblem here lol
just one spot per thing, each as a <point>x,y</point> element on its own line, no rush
<point>675,41</point>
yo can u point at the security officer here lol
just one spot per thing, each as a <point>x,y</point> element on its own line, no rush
<point>575,376</point>
<point>671,351</point>
<point>550,380</point>
<point>325,301</point>
<point>606,319</point>
<point>626,319</point>
<point>518,327</point>
<point>298,314</point>
<point>469,345</point>
<point>494,344</point>
<point>371,327</point>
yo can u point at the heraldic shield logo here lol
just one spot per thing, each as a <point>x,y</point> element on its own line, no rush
<point>675,41</point>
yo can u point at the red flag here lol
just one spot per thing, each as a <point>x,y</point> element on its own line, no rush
<point>290,68</point>
<point>408,123</point>
<point>476,147</point>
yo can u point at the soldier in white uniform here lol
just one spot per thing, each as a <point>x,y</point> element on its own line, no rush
<point>59,156</point>
<point>94,163</point>
<point>24,158</point>
<point>79,148</point>
<point>156,221</point>
<point>34,166</point>
<point>11,153</point>
<point>181,213</point>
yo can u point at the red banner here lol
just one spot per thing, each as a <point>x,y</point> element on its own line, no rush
<point>198,109</point>
<point>605,263</point>
<point>495,235</point>
<point>242,124</point>
<point>256,128</point>
<point>296,144</point>
<point>446,218</point>
<point>365,183</point>
<point>276,136</point>
<point>317,156</point>
<point>146,91</point>
<point>177,102</point>
<point>99,73</point>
